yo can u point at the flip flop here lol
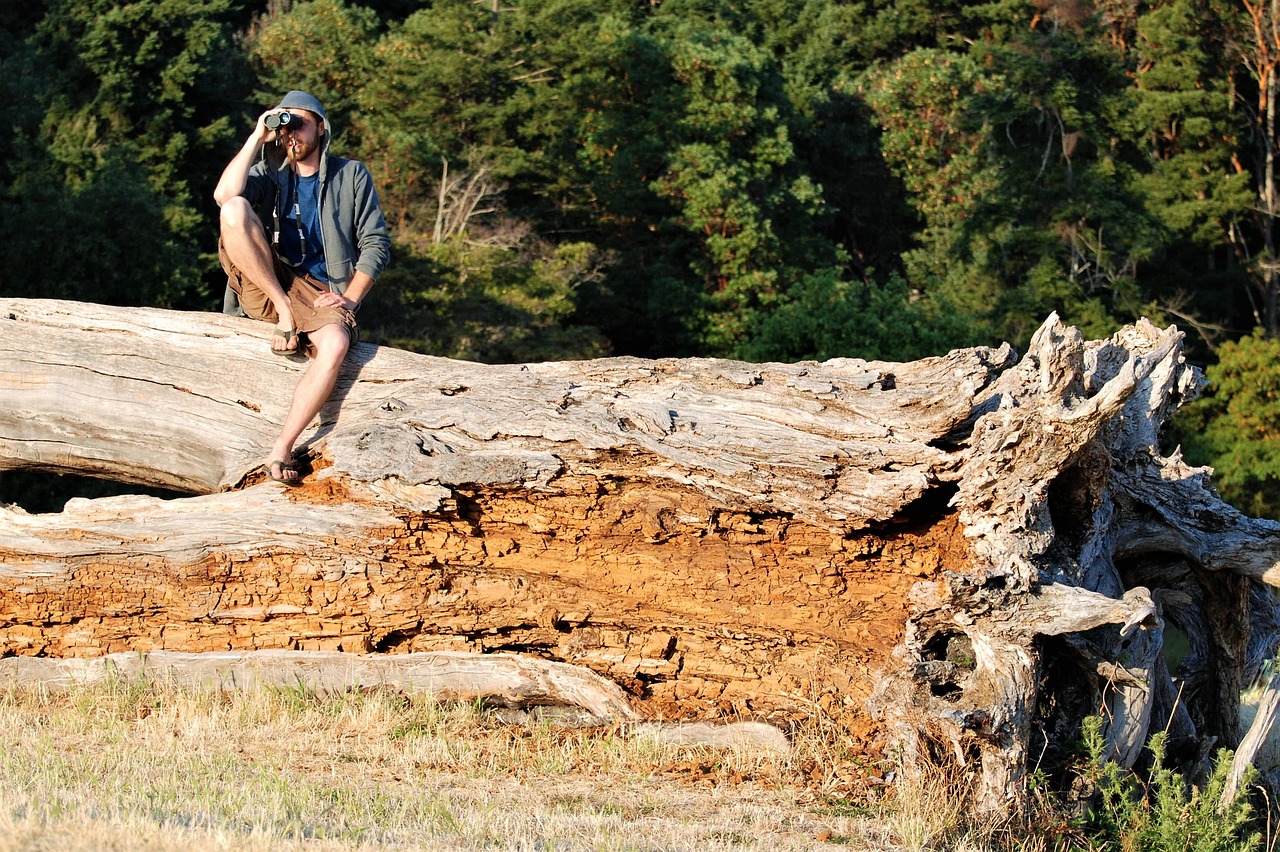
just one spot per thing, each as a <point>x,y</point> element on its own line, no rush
<point>283,467</point>
<point>289,335</point>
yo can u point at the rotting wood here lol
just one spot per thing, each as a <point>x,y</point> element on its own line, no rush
<point>965,554</point>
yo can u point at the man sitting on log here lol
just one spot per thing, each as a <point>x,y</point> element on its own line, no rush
<point>302,240</point>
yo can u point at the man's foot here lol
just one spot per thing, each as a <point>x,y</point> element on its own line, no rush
<point>284,341</point>
<point>283,471</point>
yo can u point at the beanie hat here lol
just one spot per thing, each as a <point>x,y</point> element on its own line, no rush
<point>302,100</point>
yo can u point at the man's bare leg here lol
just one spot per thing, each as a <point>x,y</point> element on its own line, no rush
<point>331,344</point>
<point>246,246</point>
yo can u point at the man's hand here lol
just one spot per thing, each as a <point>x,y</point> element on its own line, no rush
<point>336,300</point>
<point>261,133</point>
<point>357,289</point>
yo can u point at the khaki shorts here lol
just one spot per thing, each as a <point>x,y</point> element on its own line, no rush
<point>302,290</point>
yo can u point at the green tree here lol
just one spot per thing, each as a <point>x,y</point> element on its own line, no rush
<point>1014,156</point>
<point>756,177</point>
<point>115,119</point>
<point>828,316</point>
<point>438,101</point>
<point>1186,119</point>
<point>1235,427</point>
<point>487,304</point>
<point>922,103</point>
<point>320,46</point>
<point>1253,33</point>
<point>662,139</point>
<point>731,171</point>
<point>698,187</point>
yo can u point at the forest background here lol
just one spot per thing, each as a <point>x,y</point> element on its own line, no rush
<point>756,179</point>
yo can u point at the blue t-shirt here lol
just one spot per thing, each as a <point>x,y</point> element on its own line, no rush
<point>300,244</point>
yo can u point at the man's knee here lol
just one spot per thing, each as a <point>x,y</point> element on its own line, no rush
<point>331,342</point>
<point>237,216</point>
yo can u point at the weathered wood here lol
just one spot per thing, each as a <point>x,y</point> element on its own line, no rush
<point>539,689</point>
<point>704,532</point>
<point>1257,739</point>
<point>505,680</point>
<point>963,554</point>
<point>1064,487</point>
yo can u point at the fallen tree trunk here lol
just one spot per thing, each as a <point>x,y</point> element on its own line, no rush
<point>503,679</point>
<point>970,552</point>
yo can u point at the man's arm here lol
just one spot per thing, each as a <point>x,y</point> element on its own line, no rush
<point>236,175</point>
<point>371,242</point>
<point>359,287</point>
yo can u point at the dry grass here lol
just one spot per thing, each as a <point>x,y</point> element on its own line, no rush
<point>934,809</point>
<point>925,810</point>
<point>123,767</point>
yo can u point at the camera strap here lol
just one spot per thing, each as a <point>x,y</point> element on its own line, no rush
<point>297,217</point>
<point>275,216</point>
<point>297,220</point>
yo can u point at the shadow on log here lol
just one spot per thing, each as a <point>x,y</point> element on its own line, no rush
<point>965,554</point>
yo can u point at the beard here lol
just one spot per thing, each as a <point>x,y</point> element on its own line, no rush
<point>300,152</point>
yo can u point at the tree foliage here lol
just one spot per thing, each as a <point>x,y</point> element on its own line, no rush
<point>116,107</point>
<point>1235,427</point>
<point>761,179</point>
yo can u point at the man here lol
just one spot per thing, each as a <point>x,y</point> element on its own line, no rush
<point>302,241</point>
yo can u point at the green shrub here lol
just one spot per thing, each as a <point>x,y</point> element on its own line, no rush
<point>1163,812</point>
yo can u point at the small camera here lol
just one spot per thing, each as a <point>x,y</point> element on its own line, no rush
<point>282,121</point>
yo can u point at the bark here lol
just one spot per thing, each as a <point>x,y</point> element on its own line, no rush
<point>961,556</point>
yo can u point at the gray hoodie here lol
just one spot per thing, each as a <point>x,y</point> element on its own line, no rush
<point>352,227</point>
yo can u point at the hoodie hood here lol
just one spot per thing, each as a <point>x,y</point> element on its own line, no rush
<point>273,155</point>
<point>302,100</point>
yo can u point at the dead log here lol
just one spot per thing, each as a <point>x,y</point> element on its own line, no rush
<point>965,554</point>
<point>505,680</point>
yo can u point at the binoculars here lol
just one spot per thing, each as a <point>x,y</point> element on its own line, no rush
<point>282,121</point>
